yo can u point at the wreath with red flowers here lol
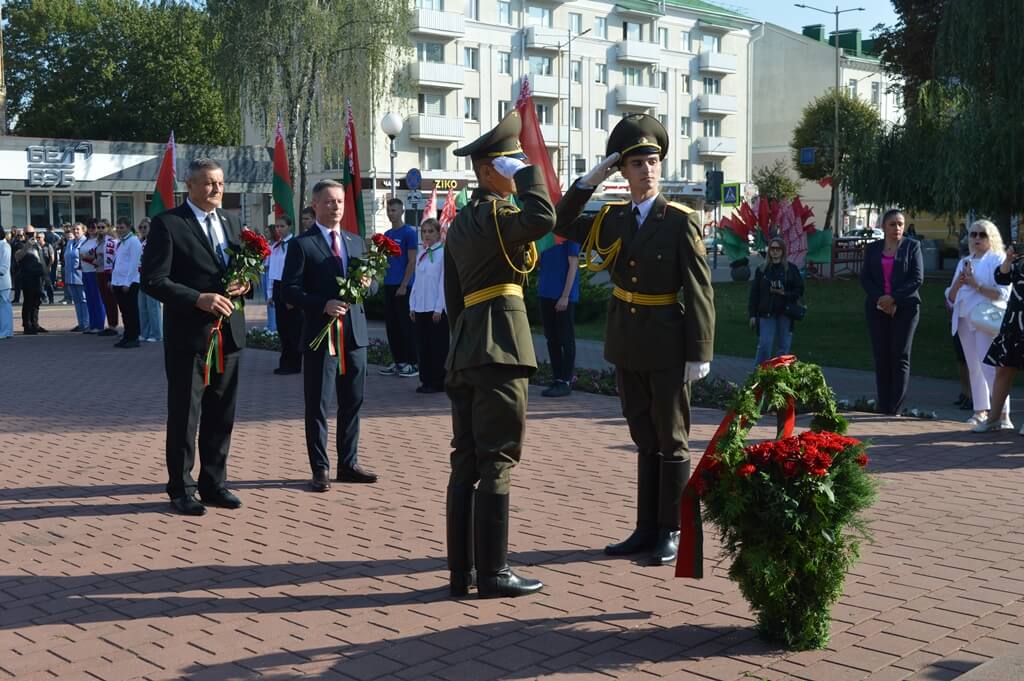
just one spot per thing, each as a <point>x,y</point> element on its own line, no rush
<point>788,509</point>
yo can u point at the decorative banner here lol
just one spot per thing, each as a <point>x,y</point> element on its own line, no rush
<point>431,210</point>
<point>536,152</point>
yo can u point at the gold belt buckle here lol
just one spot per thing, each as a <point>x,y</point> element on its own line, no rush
<point>629,296</point>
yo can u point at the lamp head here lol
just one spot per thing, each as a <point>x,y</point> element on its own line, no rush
<point>391,124</point>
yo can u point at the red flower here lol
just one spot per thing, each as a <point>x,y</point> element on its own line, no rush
<point>862,460</point>
<point>819,472</point>
<point>256,243</point>
<point>746,470</point>
<point>789,468</point>
<point>386,244</point>
<point>776,362</point>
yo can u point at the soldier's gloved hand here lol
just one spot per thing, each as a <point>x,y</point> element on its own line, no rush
<point>600,172</point>
<point>697,370</point>
<point>507,166</point>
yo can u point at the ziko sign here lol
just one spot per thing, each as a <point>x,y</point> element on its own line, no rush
<point>54,166</point>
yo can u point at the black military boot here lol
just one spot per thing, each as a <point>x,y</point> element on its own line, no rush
<point>673,477</point>
<point>460,539</point>
<point>495,578</point>
<point>645,535</point>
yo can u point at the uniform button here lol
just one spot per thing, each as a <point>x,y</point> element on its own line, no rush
<point>632,263</point>
<point>633,310</point>
<point>633,280</point>
<point>659,256</point>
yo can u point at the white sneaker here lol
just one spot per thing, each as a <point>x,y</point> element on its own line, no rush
<point>978,418</point>
<point>1005,423</point>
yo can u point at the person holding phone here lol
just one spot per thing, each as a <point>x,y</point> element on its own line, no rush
<point>776,283</point>
<point>1006,353</point>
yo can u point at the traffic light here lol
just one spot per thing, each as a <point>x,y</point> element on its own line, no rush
<point>713,186</point>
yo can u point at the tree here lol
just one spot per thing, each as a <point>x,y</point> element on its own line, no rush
<point>773,182</point>
<point>309,55</point>
<point>859,125</point>
<point>112,69</point>
<point>907,49</point>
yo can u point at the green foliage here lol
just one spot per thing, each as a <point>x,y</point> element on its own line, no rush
<point>112,69</point>
<point>775,183</point>
<point>858,125</point>
<point>907,48</point>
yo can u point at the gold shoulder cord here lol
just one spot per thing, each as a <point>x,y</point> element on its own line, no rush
<point>593,243</point>
<point>531,252</point>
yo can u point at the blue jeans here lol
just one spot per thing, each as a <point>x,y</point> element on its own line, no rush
<point>775,330</point>
<point>151,323</point>
<point>6,314</point>
<point>76,294</point>
<point>94,301</point>
<point>271,315</point>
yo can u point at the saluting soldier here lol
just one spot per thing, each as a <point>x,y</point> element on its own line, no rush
<point>653,251</point>
<point>488,253</point>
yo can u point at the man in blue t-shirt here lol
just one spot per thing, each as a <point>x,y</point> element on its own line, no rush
<point>397,284</point>
<point>559,291</point>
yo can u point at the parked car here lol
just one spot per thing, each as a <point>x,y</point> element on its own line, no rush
<point>861,236</point>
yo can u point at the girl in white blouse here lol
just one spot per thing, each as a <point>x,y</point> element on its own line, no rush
<point>427,309</point>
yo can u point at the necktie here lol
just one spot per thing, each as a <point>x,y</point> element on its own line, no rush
<point>212,236</point>
<point>336,249</point>
<point>636,219</point>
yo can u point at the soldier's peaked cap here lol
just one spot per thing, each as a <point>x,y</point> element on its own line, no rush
<point>502,140</point>
<point>638,134</point>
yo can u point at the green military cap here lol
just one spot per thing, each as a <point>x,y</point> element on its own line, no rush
<point>502,140</point>
<point>638,134</point>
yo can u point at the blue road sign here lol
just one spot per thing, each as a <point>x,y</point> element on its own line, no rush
<point>731,194</point>
<point>807,155</point>
<point>413,178</point>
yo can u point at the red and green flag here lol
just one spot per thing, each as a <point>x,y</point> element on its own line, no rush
<point>281,189</point>
<point>354,219</point>
<point>163,194</point>
<point>533,146</point>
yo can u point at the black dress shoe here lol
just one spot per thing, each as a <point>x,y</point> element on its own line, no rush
<point>320,482</point>
<point>187,505</point>
<point>107,332</point>
<point>665,550</point>
<point>76,329</point>
<point>356,474</point>
<point>42,330</point>
<point>642,540</point>
<point>29,332</point>
<point>221,498</point>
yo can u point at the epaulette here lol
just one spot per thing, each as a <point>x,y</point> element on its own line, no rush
<point>681,207</point>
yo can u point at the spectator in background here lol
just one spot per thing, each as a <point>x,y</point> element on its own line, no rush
<point>1006,353</point>
<point>90,258</point>
<point>6,310</point>
<point>49,263</point>
<point>397,282</point>
<point>777,283</point>
<point>289,318</point>
<point>427,309</point>
<point>106,247</point>
<point>31,272</point>
<point>72,275</point>
<point>151,323</point>
<point>559,291</point>
<point>267,285</point>
<point>17,242</point>
<point>66,237</point>
<point>307,218</point>
<point>125,281</point>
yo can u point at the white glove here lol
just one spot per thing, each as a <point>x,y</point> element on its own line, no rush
<point>601,171</point>
<point>697,370</point>
<point>507,166</point>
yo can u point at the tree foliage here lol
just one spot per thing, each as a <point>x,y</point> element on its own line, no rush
<point>309,56</point>
<point>112,69</point>
<point>773,182</point>
<point>908,48</point>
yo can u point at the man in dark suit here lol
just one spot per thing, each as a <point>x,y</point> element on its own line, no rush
<point>183,266</point>
<point>312,266</point>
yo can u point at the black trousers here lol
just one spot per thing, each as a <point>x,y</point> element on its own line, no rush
<point>191,407</point>
<point>559,330</point>
<point>128,302</point>
<point>33,294</point>
<point>320,378</point>
<point>289,330</point>
<point>432,340</point>
<point>401,337</point>
<point>656,405</point>
<point>891,340</point>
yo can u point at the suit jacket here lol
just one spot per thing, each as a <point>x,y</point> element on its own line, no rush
<point>907,273</point>
<point>310,279</point>
<point>495,331</point>
<point>178,264</point>
<point>5,265</point>
<point>666,255</point>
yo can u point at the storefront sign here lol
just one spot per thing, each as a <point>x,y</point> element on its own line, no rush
<point>53,165</point>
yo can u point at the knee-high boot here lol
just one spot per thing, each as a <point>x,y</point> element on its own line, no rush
<point>673,477</point>
<point>646,533</point>
<point>495,578</point>
<point>459,518</point>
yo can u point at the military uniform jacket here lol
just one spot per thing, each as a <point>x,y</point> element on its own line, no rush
<point>666,255</point>
<point>495,331</point>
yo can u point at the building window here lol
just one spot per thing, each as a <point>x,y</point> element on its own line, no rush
<point>876,95</point>
<point>538,16</point>
<point>430,4</point>
<point>433,52</point>
<point>473,9</point>
<point>504,12</point>
<point>505,62</point>
<point>684,126</point>
<point>579,164</point>
<point>712,43</point>
<point>431,158</point>
<point>712,86</point>
<point>663,80</point>
<point>685,170</point>
<point>851,88</point>
<point>504,106</point>
<point>632,31</point>
<point>471,109</point>
<point>633,75</point>
<point>600,119</point>
<point>663,119</point>
<point>540,66</point>
<point>576,118</point>
<point>544,114</point>
<point>601,28</point>
<point>684,87</point>
<point>684,42</point>
<point>431,104</point>
<point>575,23</point>
<point>123,208</point>
<point>663,38</point>
<point>471,58</point>
<point>601,73</point>
<point>576,71</point>
<point>712,166</point>
<point>712,128</point>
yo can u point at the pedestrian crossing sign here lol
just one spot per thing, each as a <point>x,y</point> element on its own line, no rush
<point>731,194</point>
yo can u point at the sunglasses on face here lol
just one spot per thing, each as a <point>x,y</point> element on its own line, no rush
<point>979,235</point>
<point>775,248</point>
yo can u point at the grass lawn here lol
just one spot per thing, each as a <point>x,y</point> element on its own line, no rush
<point>834,332</point>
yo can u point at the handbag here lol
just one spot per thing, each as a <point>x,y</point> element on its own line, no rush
<point>987,318</point>
<point>795,311</point>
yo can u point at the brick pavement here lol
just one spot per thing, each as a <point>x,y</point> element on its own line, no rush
<point>99,580</point>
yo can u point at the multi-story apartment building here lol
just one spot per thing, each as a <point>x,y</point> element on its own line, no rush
<point>790,70</point>
<point>685,61</point>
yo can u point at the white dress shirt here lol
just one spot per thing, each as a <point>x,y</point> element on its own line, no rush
<point>126,261</point>
<point>275,263</point>
<point>341,245</point>
<point>218,228</point>
<point>89,247</point>
<point>645,209</point>
<point>428,290</point>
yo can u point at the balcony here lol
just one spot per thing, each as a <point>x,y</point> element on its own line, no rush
<point>442,76</point>
<point>716,147</point>
<point>638,95</point>
<point>639,52</point>
<point>542,87</point>
<point>435,128</point>
<point>544,38</point>
<point>550,135</point>
<point>716,105</point>
<point>717,62</point>
<point>436,23</point>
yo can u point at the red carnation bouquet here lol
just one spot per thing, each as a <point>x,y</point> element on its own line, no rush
<point>362,272</point>
<point>247,266</point>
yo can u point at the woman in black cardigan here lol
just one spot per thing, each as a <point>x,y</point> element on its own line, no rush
<point>891,276</point>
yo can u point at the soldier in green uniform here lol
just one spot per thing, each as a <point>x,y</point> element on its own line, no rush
<point>653,251</point>
<point>488,253</point>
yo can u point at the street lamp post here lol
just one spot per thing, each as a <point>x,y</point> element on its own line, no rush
<point>391,124</point>
<point>568,105</point>
<point>835,141</point>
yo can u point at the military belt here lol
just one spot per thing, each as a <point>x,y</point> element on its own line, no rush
<point>492,292</point>
<point>644,298</point>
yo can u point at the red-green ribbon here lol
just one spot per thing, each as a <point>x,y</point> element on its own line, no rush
<point>336,343</point>
<point>214,352</point>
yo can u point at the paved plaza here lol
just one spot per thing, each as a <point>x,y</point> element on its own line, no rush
<point>99,579</point>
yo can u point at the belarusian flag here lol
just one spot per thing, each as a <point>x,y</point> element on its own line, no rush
<point>431,210</point>
<point>284,195</point>
<point>447,213</point>
<point>163,194</point>
<point>353,220</point>
<point>537,153</point>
